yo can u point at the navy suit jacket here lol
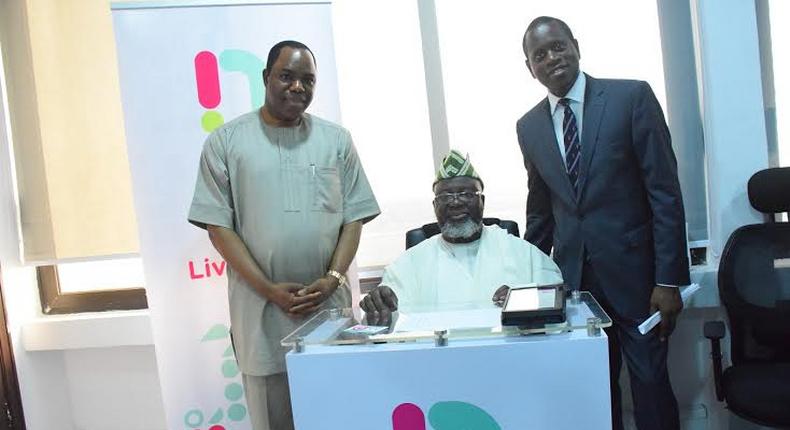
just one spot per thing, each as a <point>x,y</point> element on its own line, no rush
<point>627,218</point>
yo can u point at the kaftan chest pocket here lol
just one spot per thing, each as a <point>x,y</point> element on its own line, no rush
<point>327,192</point>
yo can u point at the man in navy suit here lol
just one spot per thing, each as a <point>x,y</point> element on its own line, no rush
<point>604,193</point>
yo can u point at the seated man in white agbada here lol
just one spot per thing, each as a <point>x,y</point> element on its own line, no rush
<point>467,265</point>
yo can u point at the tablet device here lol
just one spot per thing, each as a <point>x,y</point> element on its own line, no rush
<point>534,307</point>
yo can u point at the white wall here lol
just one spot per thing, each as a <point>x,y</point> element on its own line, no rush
<point>114,388</point>
<point>779,11</point>
<point>384,106</point>
<point>488,87</point>
<point>67,390</point>
<point>42,385</point>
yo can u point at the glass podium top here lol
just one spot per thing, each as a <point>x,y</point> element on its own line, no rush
<point>339,327</point>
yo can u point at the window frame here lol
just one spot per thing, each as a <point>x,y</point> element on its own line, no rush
<point>56,302</point>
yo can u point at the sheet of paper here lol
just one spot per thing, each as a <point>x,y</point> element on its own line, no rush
<point>430,321</point>
<point>530,299</point>
<point>782,263</point>
<point>653,320</point>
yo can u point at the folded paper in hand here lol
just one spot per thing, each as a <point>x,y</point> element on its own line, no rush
<point>654,319</point>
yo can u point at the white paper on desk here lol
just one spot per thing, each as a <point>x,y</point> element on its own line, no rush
<point>654,319</point>
<point>430,321</point>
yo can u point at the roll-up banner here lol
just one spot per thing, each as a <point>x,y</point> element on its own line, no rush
<point>184,70</point>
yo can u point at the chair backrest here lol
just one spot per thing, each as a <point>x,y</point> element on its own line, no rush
<point>417,235</point>
<point>754,276</point>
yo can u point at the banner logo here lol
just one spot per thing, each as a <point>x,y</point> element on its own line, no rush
<point>443,416</point>
<point>207,67</point>
<point>235,411</point>
<point>209,94</point>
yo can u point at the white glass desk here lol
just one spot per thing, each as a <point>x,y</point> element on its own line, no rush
<point>451,368</point>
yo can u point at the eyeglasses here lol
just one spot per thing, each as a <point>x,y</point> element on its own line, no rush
<point>462,196</point>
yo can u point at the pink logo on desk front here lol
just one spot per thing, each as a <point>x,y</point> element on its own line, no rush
<point>443,416</point>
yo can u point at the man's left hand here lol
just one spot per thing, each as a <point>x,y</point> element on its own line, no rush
<point>319,291</point>
<point>667,301</point>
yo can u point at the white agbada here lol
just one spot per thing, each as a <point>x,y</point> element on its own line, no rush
<point>435,275</point>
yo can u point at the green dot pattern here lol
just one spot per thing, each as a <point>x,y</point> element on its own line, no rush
<point>237,412</point>
<point>229,368</point>
<point>234,391</point>
<point>193,418</point>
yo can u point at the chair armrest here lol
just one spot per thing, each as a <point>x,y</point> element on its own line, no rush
<point>715,330</point>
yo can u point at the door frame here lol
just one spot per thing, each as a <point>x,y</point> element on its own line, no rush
<point>11,414</point>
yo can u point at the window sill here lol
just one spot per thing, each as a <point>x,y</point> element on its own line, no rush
<point>89,330</point>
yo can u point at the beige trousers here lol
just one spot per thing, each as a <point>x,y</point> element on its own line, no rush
<point>269,401</point>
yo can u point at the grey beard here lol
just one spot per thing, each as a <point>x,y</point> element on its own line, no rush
<point>461,230</point>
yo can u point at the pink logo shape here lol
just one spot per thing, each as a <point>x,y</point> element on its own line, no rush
<point>207,77</point>
<point>408,416</point>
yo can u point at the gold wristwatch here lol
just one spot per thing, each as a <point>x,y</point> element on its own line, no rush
<point>341,278</point>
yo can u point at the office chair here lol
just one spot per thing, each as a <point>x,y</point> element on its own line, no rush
<point>417,235</point>
<point>754,286</point>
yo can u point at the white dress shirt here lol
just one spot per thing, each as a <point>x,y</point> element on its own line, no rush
<point>576,97</point>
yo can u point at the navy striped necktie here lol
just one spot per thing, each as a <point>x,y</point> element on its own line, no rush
<point>570,134</point>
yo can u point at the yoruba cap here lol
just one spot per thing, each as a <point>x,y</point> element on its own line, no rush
<point>454,165</point>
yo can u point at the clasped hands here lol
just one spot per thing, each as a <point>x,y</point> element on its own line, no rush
<point>298,300</point>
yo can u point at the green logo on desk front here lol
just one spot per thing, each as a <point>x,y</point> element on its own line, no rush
<point>443,416</point>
